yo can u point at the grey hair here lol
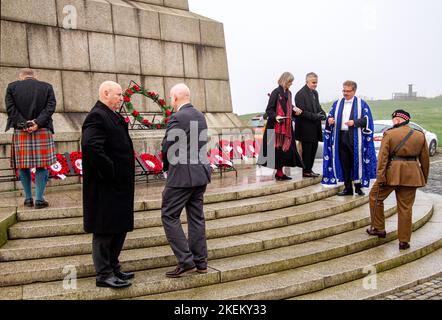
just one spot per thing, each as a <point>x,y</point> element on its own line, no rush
<point>285,78</point>
<point>311,75</point>
<point>352,84</point>
<point>26,73</point>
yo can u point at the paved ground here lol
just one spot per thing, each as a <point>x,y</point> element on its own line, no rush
<point>431,290</point>
<point>435,179</point>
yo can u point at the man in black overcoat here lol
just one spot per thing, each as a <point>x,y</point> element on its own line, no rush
<point>108,185</point>
<point>308,128</point>
<point>188,174</point>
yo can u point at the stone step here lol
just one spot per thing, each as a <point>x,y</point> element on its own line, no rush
<point>5,164</point>
<point>20,272</point>
<point>386,283</point>
<point>310,275</point>
<point>152,218</point>
<point>394,280</point>
<point>216,195</point>
<point>315,277</point>
<point>25,249</point>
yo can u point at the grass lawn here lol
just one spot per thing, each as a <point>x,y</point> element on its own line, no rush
<point>425,112</point>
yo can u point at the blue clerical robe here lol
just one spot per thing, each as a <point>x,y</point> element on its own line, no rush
<point>364,164</point>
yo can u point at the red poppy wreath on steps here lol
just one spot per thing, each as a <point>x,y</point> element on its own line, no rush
<point>77,162</point>
<point>60,168</point>
<point>152,163</point>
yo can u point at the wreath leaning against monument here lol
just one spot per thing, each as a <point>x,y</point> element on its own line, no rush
<point>166,110</point>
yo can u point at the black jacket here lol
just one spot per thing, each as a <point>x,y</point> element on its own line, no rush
<point>28,100</point>
<point>270,156</point>
<point>308,124</point>
<point>108,172</point>
<point>187,164</point>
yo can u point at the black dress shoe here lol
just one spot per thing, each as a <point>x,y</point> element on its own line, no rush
<point>112,282</point>
<point>308,175</point>
<point>315,174</point>
<point>29,203</point>
<point>373,232</point>
<point>346,192</point>
<point>180,272</point>
<point>124,275</point>
<point>41,204</point>
<point>360,192</point>
<point>404,245</point>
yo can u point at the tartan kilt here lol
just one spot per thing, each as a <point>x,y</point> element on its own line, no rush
<point>36,150</point>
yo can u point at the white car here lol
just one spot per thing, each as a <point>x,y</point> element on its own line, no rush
<point>380,126</point>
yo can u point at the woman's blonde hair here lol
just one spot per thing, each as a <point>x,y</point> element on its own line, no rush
<point>285,78</point>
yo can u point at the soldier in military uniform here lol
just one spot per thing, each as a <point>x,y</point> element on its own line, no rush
<point>403,166</point>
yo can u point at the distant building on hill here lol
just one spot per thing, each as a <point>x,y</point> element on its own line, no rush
<point>406,96</point>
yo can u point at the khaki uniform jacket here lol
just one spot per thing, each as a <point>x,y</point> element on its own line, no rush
<point>403,173</point>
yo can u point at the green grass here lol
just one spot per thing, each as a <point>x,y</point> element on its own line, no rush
<point>425,112</point>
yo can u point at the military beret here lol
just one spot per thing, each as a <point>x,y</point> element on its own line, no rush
<point>401,114</point>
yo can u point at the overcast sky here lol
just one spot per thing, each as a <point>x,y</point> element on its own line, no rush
<point>382,45</point>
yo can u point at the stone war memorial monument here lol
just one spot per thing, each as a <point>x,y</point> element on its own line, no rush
<point>266,239</point>
<point>77,44</point>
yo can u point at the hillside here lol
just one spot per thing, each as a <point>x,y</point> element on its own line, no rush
<point>426,112</point>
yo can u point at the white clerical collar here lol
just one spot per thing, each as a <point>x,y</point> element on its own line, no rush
<point>350,101</point>
<point>181,106</point>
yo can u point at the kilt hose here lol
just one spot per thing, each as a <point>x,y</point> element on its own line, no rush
<point>35,150</point>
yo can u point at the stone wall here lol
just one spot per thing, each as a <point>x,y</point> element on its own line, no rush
<point>77,44</point>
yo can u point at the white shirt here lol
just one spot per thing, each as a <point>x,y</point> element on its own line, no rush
<point>182,106</point>
<point>346,112</point>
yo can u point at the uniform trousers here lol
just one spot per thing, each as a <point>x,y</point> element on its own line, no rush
<point>405,197</point>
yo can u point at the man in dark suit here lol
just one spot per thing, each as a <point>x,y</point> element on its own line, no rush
<point>188,173</point>
<point>308,128</point>
<point>30,104</point>
<point>108,185</point>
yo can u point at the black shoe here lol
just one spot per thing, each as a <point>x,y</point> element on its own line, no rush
<point>41,204</point>
<point>308,175</point>
<point>404,246</point>
<point>346,192</point>
<point>29,203</point>
<point>283,178</point>
<point>112,282</point>
<point>360,192</point>
<point>124,275</point>
<point>180,272</point>
<point>315,174</point>
<point>373,232</point>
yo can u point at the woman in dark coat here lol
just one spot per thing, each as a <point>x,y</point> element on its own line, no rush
<point>279,146</point>
<point>108,185</point>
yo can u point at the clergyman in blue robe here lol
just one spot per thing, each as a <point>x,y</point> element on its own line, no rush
<point>349,153</point>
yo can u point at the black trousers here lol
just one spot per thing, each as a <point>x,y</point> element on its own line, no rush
<point>346,154</point>
<point>192,252</point>
<point>106,249</point>
<point>309,150</point>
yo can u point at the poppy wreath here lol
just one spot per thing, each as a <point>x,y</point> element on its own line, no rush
<point>77,162</point>
<point>239,149</point>
<point>219,159</point>
<point>152,163</point>
<point>252,147</point>
<point>60,168</point>
<point>165,109</point>
<point>226,148</point>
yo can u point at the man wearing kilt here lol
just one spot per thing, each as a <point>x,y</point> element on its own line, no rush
<point>30,104</point>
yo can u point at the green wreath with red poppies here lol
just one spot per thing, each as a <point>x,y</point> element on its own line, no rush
<point>166,110</point>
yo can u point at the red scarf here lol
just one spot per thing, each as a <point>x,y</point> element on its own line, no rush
<point>283,129</point>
